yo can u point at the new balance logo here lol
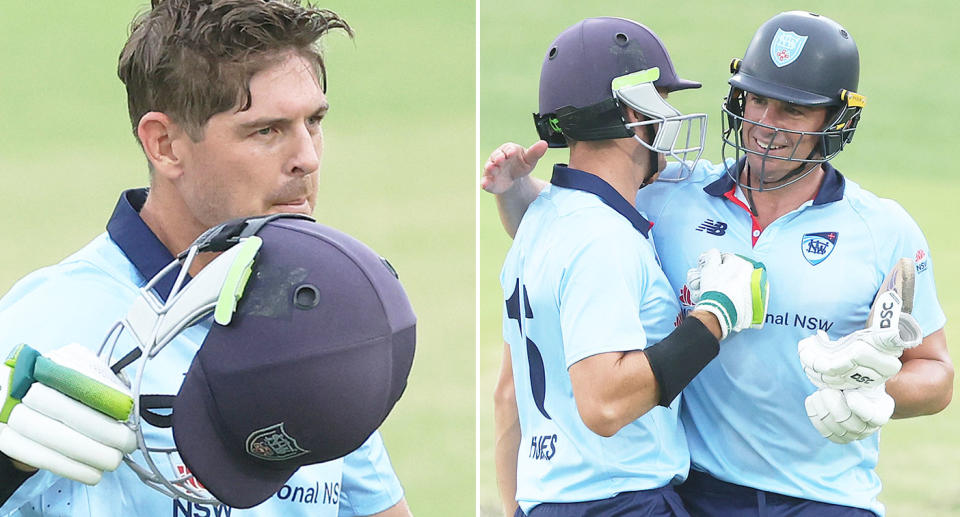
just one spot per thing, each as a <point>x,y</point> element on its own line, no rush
<point>713,228</point>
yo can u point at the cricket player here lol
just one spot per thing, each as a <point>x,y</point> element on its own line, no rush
<point>594,356</point>
<point>226,98</point>
<point>769,432</point>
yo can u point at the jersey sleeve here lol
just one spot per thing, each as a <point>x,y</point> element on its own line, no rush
<point>652,199</point>
<point>29,493</point>
<point>911,243</point>
<point>600,296</point>
<point>59,305</point>
<point>369,483</point>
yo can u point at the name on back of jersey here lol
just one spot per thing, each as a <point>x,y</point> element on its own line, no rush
<point>543,447</point>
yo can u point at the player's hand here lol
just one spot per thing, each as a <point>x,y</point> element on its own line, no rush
<point>64,412</point>
<point>865,358</point>
<point>843,416</point>
<point>508,163</point>
<point>734,289</point>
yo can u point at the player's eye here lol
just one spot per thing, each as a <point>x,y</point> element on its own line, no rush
<point>265,131</point>
<point>796,112</point>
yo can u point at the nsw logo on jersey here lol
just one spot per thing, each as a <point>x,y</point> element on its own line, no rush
<point>713,227</point>
<point>786,47</point>
<point>816,247</point>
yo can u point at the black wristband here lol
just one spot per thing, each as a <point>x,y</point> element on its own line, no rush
<point>10,478</point>
<point>677,359</point>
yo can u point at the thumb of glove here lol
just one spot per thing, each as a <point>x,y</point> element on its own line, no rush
<point>872,405</point>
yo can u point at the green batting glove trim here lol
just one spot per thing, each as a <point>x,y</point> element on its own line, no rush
<point>756,263</point>
<point>723,303</point>
<point>8,405</point>
<point>759,289</point>
<point>236,280</point>
<point>21,361</point>
<point>91,392</point>
<point>643,76</point>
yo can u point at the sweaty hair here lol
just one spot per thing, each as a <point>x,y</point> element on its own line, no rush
<point>192,59</point>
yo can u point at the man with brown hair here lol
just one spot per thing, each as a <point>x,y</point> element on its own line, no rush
<point>226,98</point>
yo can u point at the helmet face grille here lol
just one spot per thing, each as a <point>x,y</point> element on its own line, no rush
<point>831,139</point>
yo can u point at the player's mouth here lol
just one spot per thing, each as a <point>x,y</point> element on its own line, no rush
<point>767,146</point>
<point>292,206</point>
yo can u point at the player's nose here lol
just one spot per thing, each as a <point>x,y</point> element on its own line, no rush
<point>306,149</point>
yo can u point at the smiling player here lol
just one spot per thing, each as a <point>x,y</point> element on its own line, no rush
<point>763,437</point>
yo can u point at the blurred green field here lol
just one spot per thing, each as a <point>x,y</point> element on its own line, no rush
<point>902,150</point>
<point>396,174</point>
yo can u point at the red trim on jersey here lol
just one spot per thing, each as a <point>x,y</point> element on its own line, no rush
<point>757,229</point>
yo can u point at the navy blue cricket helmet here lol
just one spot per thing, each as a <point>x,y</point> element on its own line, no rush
<point>805,59</point>
<point>310,347</point>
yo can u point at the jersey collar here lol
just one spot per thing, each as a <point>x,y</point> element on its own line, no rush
<point>138,242</point>
<point>830,190</point>
<point>576,179</point>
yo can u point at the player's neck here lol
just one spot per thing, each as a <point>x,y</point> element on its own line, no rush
<point>770,205</point>
<point>611,162</point>
<point>169,219</point>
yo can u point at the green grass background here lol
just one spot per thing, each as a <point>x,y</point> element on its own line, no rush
<point>396,173</point>
<point>903,149</point>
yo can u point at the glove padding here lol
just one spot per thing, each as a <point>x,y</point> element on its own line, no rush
<point>731,287</point>
<point>843,416</point>
<point>64,412</point>
<point>863,359</point>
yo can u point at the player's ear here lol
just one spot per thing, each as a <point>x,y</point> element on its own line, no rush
<point>159,137</point>
<point>632,115</point>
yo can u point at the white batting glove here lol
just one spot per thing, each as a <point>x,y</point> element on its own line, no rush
<point>863,359</point>
<point>734,289</point>
<point>693,283</point>
<point>843,416</point>
<point>64,412</point>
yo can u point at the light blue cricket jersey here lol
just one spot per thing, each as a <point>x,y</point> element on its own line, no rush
<point>78,300</point>
<point>744,413</point>
<point>581,279</point>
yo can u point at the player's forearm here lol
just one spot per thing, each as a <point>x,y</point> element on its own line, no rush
<point>613,389</point>
<point>506,427</point>
<point>513,203</point>
<point>616,388</point>
<point>923,387</point>
<point>506,445</point>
